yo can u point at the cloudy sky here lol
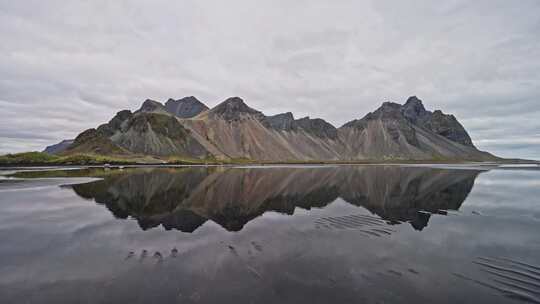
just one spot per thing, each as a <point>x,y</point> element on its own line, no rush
<point>70,65</point>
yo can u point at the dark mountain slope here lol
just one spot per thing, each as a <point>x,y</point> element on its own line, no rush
<point>186,107</point>
<point>437,122</point>
<point>408,131</point>
<point>148,131</point>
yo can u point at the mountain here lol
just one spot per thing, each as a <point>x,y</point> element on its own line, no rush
<point>235,130</point>
<point>442,124</point>
<point>186,107</point>
<point>141,133</point>
<point>232,130</point>
<point>408,131</point>
<point>59,147</point>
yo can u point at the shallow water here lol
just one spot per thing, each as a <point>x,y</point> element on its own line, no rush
<point>340,234</point>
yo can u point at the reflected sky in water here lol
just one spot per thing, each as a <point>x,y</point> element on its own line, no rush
<point>366,234</point>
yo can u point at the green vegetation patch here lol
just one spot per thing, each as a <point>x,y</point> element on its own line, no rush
<point>44,159</point>
<point>27,158</point>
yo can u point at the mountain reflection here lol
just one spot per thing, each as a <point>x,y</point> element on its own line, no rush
<point>186,198</point>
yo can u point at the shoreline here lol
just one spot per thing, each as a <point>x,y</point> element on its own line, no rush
<point>40,159</point>
<point>45,166</point>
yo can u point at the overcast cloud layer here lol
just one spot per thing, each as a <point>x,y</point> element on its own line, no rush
<point>71,65</point>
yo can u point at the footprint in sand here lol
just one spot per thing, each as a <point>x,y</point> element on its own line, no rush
<point>256,246</point>
<point>174,252</point>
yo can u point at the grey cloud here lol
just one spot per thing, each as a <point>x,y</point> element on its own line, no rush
<point>70,65</point>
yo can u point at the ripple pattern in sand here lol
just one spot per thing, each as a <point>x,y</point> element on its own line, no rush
<point>514,279</point>
<point>369,225</point>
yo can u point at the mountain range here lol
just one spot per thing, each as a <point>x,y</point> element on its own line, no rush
<point>187,128</point>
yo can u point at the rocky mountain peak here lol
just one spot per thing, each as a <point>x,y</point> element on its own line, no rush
<point>233,108</point>
<point>124,114</point>
<point>189,99</point>
<point>388,110</point>
<point>150,105</point>
<point>236,103</point>
<point>413,109</point>
<point>115,123</point>
<point>186,107</point>
<point>287,115</point>
<point>413,100</point>
<point>282,121</point>
<point>412,112</point>
<point>119,118</point>
<point>414,103</point>
<point>317,126</point>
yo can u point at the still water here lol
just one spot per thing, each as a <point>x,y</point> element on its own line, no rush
<point>329,234</point>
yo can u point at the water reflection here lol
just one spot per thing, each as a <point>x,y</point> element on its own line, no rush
<point>185,199</point>
<point>58,246</point>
